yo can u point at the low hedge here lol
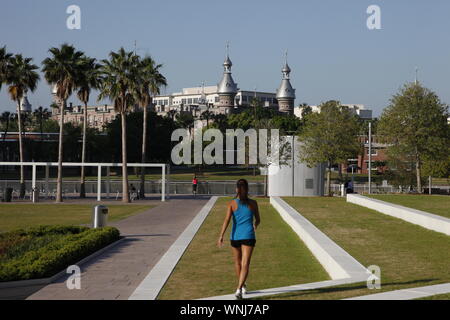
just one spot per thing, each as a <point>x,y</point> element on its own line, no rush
<point>74,244</point>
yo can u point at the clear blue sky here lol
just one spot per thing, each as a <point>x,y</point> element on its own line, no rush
<point>331,52</point>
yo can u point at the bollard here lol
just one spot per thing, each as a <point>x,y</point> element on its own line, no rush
<point>343,191</point>
<point>99,216</point>
<point>35,195</point>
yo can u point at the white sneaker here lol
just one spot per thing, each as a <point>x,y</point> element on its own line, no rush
<point>244,289</point>
<point>238,294</point>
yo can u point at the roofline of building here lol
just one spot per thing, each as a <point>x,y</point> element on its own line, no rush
<point>192,94</point>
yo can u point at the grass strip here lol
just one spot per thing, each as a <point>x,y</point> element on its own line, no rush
<point>435,204</point>
<point>15,216</point>
<point>408,255</point>
<point>279,259</point>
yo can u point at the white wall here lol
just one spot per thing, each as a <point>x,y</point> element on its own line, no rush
<point>284,181</point>
<point>421,218</point>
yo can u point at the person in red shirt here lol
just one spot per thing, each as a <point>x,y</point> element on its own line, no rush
<point>194,185</point>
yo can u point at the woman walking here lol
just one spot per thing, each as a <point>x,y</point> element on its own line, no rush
<point>246,219</point>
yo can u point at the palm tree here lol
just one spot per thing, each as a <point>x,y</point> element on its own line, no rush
<point>5,58</point>
<point>62,71</point>
<point>21,77</point>
<point>4,62</point>
<point>5,118</point>
<point>89,79</point>
<point>41,114</point>
<point>119,84</point>
<point>171,114</point>
<point>207,115</point>
<point>150,82</point>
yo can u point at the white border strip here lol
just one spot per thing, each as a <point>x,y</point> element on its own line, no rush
<point>341,266</point>
<point>407,294</point>
<point>152,284</point>
<point>281,290</point>
<point>421,218</point>
<point>336,261</point>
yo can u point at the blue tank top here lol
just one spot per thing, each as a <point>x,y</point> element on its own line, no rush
<point>242,223</point>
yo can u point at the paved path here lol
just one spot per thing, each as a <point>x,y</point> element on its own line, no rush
<point>116,273</point>
<point>407,294</point>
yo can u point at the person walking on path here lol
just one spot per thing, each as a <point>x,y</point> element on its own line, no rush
<point>194,185</point>
<point>245,214</point>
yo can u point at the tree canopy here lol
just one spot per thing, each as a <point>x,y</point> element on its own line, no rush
<point>415,128</point>
<point>329,136</point>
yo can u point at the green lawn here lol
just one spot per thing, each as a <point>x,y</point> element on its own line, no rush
<point>280,259</point>
<point>408,255</point>
<point>13,216</point>
<point>436,204</point>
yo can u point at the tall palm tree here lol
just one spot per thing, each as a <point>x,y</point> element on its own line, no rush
<point>21,76</point>
<point>62,70</point>
<point>5,118</point>
<point>120,85</point>
<point>5,59</point>
<point>40,114</point>
<point>89,79</point>
<point>150,82</point>
<point>207,115</point>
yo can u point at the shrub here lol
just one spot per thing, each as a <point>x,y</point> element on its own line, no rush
<point>73,244</point>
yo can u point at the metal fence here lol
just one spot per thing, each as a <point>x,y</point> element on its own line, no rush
<point>364,188</point>
<point>113,188</point>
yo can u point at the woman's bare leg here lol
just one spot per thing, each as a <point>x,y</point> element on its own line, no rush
<point>246,257</point>
<point>237,257</point>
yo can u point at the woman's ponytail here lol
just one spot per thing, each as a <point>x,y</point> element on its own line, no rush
<point>242,191</point>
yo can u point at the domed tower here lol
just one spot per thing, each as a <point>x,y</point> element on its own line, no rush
<point>25,105</point>
<point>286,94</point>
<point>227,88</point>
<point>56,101</point>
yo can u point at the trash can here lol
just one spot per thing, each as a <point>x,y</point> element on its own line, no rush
<point>8,195</point>
<point>35,195</point>
<point>99,216</point>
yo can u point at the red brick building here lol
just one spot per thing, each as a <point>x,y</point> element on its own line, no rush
<point>361,163</point>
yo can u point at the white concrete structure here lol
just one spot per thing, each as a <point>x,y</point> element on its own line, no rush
<point>295,178</point>
<point>335,260</point>
<point>358,109</point>
<point>152,284</point>
<point>421,218</point>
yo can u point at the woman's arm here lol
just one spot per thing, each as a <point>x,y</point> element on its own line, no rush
<point>225,224</point>
<point>257,217</point>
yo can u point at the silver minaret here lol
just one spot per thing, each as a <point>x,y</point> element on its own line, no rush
<point>227,88</point>
<point>285,93</point>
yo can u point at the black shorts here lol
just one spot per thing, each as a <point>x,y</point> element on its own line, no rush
<point>245,242</point>
<point>194,187</point>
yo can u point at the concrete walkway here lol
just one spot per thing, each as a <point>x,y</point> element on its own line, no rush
<point>407,294</point>
<point>152,284</point>
<point>116,273</point>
